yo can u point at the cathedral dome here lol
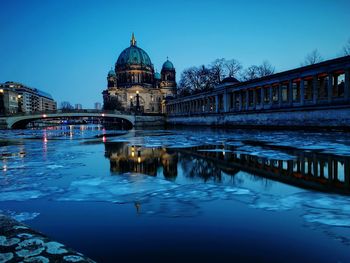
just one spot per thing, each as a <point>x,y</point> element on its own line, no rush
<point>157,75</point>
<point>168,65</point>
<point>133,55</point>
<point>111,73</point>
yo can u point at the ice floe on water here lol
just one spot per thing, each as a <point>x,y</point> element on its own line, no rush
<point>20,216</point>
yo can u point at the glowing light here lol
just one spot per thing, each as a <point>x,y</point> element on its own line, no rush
<point>104,139</point>
<point>1,91</point>
<point>132,154</point>
<point>131,97</point>
<point>19,96</point>
<point>137,92</point>
<point>44,115</point>
<point>102,114</point>
<point>139,159</point>
<point>45,139</point>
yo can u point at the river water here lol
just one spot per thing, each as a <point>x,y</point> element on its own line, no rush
<point>182,195</point>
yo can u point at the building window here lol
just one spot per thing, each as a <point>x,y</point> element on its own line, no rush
<point>267,95</point>
<point>338,85</point>
<point>284,88</point>
<point>258,95</point>
<point>275,94</point>
<point>322,82</point>
<point>296,91</point>
<point>251,97</point>
<point>308,88</point>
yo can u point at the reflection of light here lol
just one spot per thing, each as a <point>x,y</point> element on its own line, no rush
<point>223,153</point>
<point>4,168</point>
<point>139,156</point>
<point>45,139</point>
<point>132,154</point>
<point>104,139</point>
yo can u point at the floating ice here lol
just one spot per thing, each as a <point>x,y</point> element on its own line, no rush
<point>7,242</point>
<point>73,258</point>
<point>37,259</point>
<point>5,257</point>
<point>55,248</point>
<point>30,247</point>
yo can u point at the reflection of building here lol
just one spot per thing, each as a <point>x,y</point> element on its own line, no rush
<point>310,170</point>
<point>134,85</point>
<point>124,158</point>
<point>27,99</point>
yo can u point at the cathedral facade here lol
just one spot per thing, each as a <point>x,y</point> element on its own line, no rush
<point>135,86</point>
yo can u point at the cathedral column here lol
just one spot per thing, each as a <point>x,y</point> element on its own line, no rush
<point>254,99</point>
<point>302,91</point>
<point>246,99</point>
<point>347,84</point>
<point>240,101</point>
<point>262,95</point>
<point>290,92</point>
<point>315,89</point>
<point>233,102</point>
<point>225,101</point>
<point>279,95</point>
<point>270,96</point>
<point>330,87</point>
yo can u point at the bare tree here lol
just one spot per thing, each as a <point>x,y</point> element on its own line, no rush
<point>251,73</point>
<point>346,48</point>
<point>312,58</point>
<point>265,69</point>
<point>218,69</point>
<point>254,71</point>
<point>233,66</point>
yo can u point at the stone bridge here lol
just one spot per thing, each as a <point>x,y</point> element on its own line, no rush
<point>19,121</point>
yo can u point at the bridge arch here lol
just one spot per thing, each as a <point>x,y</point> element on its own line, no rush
<point>20,122</point>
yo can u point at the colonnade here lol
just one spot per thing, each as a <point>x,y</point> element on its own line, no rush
<point>321,88</point>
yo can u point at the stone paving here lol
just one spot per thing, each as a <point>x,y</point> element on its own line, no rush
<point>19,243</point>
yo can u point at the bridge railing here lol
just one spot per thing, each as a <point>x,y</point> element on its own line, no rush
<point>62,111</point>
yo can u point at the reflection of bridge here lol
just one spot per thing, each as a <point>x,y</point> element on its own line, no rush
<point>19,121</point>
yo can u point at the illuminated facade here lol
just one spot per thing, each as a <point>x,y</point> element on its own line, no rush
<point>17,97</point>
<point>134,85</point>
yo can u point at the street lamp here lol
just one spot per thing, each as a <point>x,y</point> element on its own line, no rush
<point>137,101</point>
<point>131,104</point>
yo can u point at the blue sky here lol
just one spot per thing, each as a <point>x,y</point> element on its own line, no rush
<point>67,47</point>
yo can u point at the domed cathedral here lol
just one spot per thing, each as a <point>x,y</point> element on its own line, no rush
<point>135,86</point>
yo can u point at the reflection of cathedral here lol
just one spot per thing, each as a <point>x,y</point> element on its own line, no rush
<point>125,158</point>
<point>135,86</point>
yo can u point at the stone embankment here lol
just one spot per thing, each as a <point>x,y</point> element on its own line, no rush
<point>19,243</point>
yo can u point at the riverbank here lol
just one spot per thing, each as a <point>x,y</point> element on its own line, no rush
<point>19,243</point>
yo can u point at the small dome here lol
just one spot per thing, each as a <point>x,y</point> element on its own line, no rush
<point>111,73</point>
<point>168,65</point>
<point>157,75</point>
<point>230,80</point>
